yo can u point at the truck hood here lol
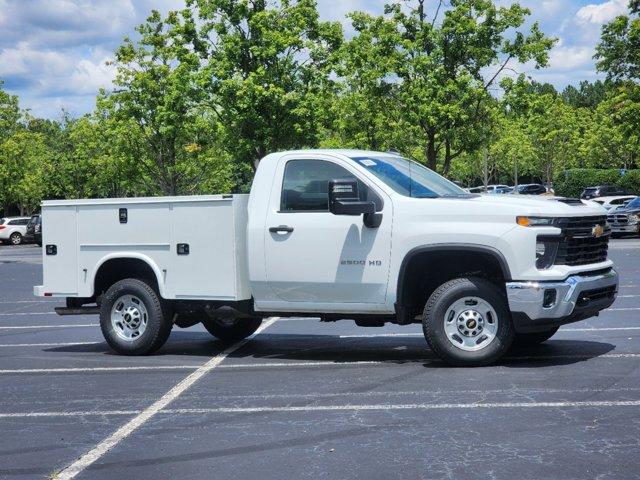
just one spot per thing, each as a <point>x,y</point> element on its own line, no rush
<point>539,205</point>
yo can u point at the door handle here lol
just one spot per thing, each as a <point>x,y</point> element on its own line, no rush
<point>281,229</point>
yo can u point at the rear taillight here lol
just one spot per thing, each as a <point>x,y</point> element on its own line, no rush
<point>2,227</point>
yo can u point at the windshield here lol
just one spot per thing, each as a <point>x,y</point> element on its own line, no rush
<point>409,178</point>
<point>635,203</point>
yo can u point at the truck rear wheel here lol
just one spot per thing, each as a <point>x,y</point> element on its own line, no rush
<point>233,330</point>
<point>132,318</point>
<point>466,322</point>
<point>533,338</point>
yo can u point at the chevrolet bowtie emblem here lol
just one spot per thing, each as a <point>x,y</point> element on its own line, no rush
<point>597,231</point>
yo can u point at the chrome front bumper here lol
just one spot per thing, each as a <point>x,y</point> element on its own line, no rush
<point>528,298</point>
<point>628,228</point>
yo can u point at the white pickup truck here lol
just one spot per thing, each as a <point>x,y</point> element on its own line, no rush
<point>335,234</point>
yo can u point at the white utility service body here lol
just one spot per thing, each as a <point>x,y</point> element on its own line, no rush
<point>88,233</point>
<point>294,246</point>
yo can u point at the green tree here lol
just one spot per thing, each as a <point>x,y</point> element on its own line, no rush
<point>587,95</point>
<point>267,68</point>
<point>9,114</point>
<point>437,67</point>
<point>618,53</point>
<point>154,110</point>
<point>23,157</point>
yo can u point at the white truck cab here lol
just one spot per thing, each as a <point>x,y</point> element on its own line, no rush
<point>335,234</point>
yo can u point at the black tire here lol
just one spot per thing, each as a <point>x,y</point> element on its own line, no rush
<point>533,338</point>
<point>158,324</point>
<point>15,238</point>
<point>235,331</point>
<point>433,322</point>
<point>39,244</point>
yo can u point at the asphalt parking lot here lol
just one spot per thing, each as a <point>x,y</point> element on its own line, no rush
<point>303,399</point>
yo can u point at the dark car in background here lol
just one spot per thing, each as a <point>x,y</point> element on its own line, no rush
<point>531,189</point>
<point>34,230</point>
<point>625,219</point>
<point>602,191</point>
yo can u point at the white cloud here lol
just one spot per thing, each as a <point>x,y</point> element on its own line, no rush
<point>88,77</point>
<point>23,60</point>
<point>599,13</point>
<point>567,58</point>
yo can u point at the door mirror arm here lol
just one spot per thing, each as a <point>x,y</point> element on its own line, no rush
<point>344,199</point>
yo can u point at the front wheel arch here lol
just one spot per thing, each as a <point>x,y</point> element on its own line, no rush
<point>425,268</point>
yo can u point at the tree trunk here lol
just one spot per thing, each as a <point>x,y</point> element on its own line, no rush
<point>485,168</point>
<point>432,159</point>
<point>447,157</point>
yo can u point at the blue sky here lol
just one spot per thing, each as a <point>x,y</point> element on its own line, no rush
<point>53,53</point>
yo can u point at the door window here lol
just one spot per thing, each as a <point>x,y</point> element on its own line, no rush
<point>305,186</point>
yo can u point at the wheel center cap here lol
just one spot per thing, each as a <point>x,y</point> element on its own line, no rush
<point>471,323</point>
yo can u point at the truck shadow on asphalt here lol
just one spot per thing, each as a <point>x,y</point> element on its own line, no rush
<point>331,348</point>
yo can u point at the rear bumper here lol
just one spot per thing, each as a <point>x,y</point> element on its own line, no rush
<point>538,306</point>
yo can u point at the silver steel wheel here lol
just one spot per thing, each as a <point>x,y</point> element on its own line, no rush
<point>129,317</point>
<point>16,238</point>
<point>471,323</point>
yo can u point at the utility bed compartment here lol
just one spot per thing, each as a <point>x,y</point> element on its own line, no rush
<point>81,235</point>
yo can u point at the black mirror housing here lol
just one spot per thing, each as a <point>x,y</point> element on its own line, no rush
<point>344,198</point>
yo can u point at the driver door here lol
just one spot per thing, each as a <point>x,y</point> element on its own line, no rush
<point>315,258</point>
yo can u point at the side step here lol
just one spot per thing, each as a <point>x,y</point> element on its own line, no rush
<point>77,311</point>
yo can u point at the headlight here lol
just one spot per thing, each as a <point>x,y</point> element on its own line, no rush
<point>546,250</point>
<point>634,217</point>
<point>535,221</point>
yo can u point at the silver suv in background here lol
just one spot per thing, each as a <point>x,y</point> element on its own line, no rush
<point>13,229</point>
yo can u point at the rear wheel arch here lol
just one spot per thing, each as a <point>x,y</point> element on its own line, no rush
<point>425,268</point>
<point>112,269</point>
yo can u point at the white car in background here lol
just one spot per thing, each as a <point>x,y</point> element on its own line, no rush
<point>612,202</point>
<point>488,189</point>
<point>13,229</point>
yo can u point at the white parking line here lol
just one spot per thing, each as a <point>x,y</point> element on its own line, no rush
<point>68,344</point>
<point>32,327</point>
<point>68,414</point>
<point>71,473</point>
<point>98,369</point>
<point>597,329</point>
<point>185,367</point>
<point>374,335</point>
<point>28,301</point>
<point>622,309</point>
<point>111,441</point>
<point>425,393</point>
<point>409,406</point>
<point>24,314</point>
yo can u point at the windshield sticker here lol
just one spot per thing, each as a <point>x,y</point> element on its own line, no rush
<point>368,163</point>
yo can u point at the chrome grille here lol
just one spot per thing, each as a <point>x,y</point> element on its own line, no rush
<point>618,219</point>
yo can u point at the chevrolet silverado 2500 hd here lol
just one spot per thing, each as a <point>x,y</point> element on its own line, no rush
<point>336,234</point>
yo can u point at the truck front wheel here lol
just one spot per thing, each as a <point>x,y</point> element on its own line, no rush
<point>231,331</point>
<point>467,323</point>
<point>132,318</point>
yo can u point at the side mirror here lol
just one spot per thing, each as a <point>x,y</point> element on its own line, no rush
<point>344,199</point>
